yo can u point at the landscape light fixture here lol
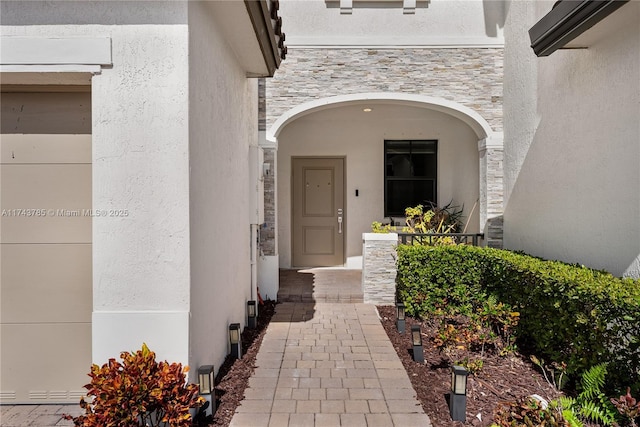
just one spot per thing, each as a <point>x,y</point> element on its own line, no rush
<point>400,317</point>
<point>252,314</point>
<point>458,397</point>
<point>416,339</point>
<point>234,339</point>
<point>206,381</point>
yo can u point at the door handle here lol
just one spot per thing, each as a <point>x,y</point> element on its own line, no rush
<point>339,225</point>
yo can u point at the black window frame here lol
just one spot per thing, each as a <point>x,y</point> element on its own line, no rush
<point>433,176</point>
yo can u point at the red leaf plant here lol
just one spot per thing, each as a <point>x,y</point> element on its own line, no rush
<point>138,392</point>
<point>628,407</point>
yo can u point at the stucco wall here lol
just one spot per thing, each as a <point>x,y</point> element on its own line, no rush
<point>572,144</point>
<point>223,123</point>
<point>359,136</point>
<point>384,23</point>
<point>140,164</point>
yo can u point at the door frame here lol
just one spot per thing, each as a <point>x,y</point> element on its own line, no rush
<point>344,204</point>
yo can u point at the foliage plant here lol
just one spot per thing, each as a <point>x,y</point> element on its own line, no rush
<point>590,404</point>
<point>528,412</point>
<point>628,408</point>
<point>138,392</point>
<point>378,227</point>
<point>567,313</point>
<point>418,220</point>
<point>433,219</point>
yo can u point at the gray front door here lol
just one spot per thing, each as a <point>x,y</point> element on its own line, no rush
<point>318,212</point>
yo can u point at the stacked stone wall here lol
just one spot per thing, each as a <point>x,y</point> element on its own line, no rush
<point>469,76</point>
<point>379,268</point>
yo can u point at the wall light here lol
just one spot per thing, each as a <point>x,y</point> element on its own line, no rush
<point>400,317</point>
<point>252,314</point>
<point>458,397</point>
<point>206,381</point>
<point>234,339</point>
<point>416,339</point>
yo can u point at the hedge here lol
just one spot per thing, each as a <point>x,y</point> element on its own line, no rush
<point>568,313</point>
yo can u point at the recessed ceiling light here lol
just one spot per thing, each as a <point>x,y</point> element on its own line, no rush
<point>367,110</point>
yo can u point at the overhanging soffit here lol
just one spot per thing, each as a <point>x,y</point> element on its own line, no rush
<point>268,29</point>
<point>566,21</point>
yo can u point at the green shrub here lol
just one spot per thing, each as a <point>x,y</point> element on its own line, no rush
<point>438,280</point>
<point>568,313</point>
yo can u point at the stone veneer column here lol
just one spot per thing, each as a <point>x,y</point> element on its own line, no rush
<point>379,268</point>
<point>491,153</point>
<point>268,230</point>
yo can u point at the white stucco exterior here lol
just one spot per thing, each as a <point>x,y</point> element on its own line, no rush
<point>572,143</point>
<point>173,116</point>
<point>223,123</point>
<point>383,23</point>
<point>140,165</point>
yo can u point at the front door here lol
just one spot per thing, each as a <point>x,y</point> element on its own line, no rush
<point>318,212</point>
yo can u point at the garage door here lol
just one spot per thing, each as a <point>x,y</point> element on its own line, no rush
<point>45,245</point>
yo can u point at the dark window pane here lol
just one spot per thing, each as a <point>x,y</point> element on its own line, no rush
<point>399,165</point>
<point>402,194</point>
<point>410,174</point>
<point>398,146</point>
<point>424,165</point>
<point>423,147</point>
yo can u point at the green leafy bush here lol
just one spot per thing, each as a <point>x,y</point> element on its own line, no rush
<point>568,313</point>
<point>439,281</point>
<point>138,392</point>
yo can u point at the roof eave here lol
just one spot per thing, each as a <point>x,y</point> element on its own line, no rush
<point>263,25</point>
<point>566,21</point>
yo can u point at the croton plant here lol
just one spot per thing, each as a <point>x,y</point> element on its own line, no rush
<point>138,392</point>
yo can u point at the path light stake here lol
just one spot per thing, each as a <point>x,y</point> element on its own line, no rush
<point>234,338</point>
<point>400,317</point>
<point>206,381</point>
<point>416,338</point>
<point>458,397</point>
<point>252,314</point>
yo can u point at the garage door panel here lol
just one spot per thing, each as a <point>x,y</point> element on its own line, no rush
<point>46,283</point>
<point>49,362</point>
<point>30,148</point>
<point>45,251</point>
<point>46,113</point>
<point>48,203</point>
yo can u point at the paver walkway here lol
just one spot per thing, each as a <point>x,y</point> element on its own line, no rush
<point>328,364</point>
<point>324,361</point>
<point>320,285</point>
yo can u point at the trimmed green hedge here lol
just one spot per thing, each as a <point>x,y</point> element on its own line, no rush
<point>568,313</point>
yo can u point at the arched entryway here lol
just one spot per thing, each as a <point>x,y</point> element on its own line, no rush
<point>354,128</point>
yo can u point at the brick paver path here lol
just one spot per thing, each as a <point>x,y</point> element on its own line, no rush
<point>328,364</point>
<point>324,361</point>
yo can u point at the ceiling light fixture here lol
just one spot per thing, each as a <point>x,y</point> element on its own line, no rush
<point>367,110</point>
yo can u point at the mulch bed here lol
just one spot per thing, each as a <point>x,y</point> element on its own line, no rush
<point>233,377</point>
<point>501,379</point>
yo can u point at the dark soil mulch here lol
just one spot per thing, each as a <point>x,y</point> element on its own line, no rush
<point>233,377</point>
<point>501,379</point>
